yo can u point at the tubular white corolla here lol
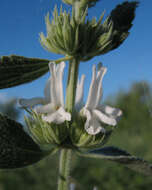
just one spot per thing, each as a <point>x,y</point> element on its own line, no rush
<point>95,113</point>
<point>52,105</point>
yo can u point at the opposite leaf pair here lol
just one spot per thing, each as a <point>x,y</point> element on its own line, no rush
<point>17,150</point>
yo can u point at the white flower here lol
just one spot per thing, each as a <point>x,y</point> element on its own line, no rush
<point>52,105</point>
<point>95,113</point>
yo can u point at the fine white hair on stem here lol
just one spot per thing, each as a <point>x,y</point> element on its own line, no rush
<point>95,188</point>
<point>72,186</point>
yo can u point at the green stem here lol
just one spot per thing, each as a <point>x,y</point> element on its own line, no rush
<point>72,84</point>
<point>66,58</point>
<point>65,156</point>
<point>64,169</point>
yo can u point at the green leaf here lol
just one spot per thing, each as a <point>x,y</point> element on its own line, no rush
<point>17,149</point>
<point>16,70</point>
<point>122,157</point>
<point>122,17</point>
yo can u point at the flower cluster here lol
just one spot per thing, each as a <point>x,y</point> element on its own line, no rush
<point>52,109</point>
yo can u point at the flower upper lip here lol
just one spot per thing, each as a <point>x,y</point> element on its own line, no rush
<point>95,113</point>
<point>52,105</point>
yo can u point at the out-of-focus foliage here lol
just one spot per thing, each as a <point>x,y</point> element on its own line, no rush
<point>134,134</point>
<point>37,177</point>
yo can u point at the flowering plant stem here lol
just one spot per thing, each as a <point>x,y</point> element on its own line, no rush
<point>71,85</point>
<point>65,155</point>
<point>64,169</point>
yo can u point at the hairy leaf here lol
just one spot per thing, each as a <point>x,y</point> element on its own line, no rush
<point>122,157</point>
<point>17,149</point>
<point>16,70</point>
<point>122,17</point>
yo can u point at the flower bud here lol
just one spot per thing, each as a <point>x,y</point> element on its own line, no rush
<point>61,34</point>
<point>74,36</point>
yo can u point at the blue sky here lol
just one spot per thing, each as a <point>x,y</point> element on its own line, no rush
<point>21,22</point>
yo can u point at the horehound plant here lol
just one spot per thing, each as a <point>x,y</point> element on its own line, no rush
<point>71,126</point>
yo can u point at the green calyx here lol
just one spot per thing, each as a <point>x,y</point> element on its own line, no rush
<point>46,134</point>
<point>62,34</point>
<point>81,139</point>
<point>72,35</point>
<point>95,38</point>
<point>90,3</point>
<point>77,37</point>
<point>70,135</point>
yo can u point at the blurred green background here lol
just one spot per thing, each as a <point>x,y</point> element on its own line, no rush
<point>134,134</point>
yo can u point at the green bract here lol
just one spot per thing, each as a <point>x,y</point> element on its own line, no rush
<point>82,39</point>
<point>62,34</point>
<point>46,134</point>
<point>90,3</point>
<point>81,139</point>
<point>68,134</point>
